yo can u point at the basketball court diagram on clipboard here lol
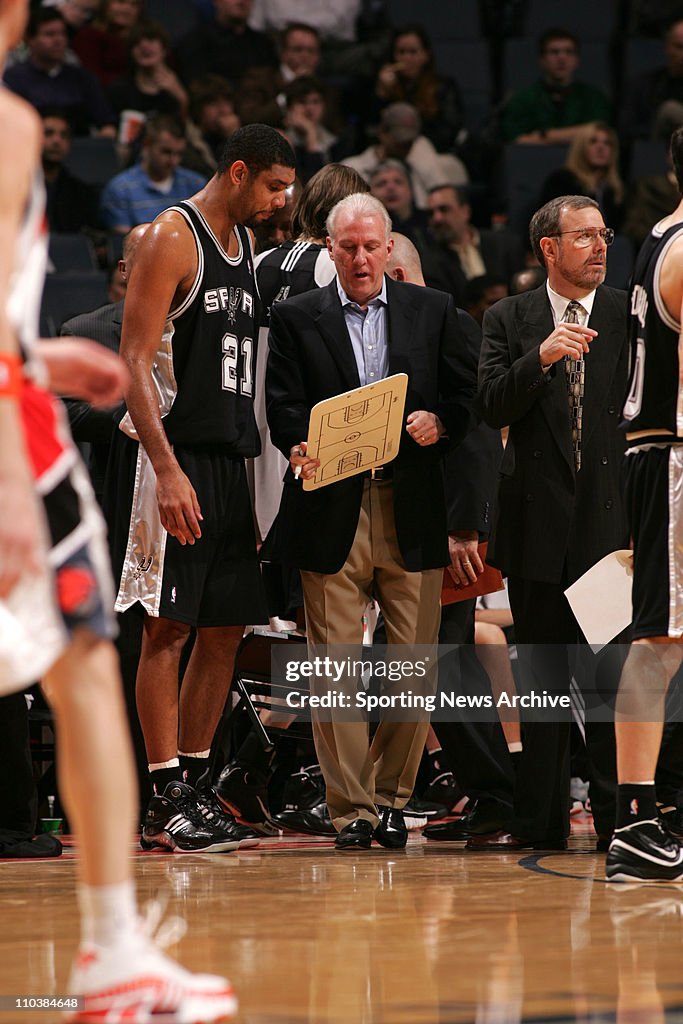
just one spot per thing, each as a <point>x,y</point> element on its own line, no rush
<point>356,431</point>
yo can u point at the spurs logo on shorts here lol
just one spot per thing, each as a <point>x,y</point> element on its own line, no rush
<point>144,565</point>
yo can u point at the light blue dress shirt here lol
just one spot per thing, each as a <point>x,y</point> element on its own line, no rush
<point>368,331</point>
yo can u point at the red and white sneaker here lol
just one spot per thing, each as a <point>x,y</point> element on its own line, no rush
<point>134,983</point>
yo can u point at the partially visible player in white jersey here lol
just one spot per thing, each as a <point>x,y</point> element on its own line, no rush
<point>53,566</point>
<point>643,846</point>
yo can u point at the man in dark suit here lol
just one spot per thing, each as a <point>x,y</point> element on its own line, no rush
<point>559,506</point>
<point>460,252</point>
<point>382,534</point>
<point>94,426</point>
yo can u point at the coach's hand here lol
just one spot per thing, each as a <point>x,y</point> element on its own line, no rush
<point>571,340</point>
<point>178,505</point>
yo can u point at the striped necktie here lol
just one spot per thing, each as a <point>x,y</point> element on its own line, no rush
<point>576,378</point>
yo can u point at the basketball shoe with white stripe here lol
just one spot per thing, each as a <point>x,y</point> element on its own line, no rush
<point>645,852</point>
<point>174,822</point>
<point>134,983</point>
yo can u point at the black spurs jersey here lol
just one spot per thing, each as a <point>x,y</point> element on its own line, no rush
<point>291,269</point>
<point>654,405</point>
<point>204,369</point>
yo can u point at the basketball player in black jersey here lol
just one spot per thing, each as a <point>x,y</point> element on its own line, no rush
<point>189,557</point>
<point>298,265</point>
<point>642,846</point>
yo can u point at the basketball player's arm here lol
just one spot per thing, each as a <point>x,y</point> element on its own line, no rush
<point>671,291</point>
<point>166,263</point>
<point>83,369</point>
<point>20,530</point>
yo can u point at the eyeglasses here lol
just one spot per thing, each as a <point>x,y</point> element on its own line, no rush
<point>588,236</point>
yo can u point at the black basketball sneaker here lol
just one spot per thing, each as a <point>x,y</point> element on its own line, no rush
<point>244,792</point>
<point>174,822</point>
<point>644,852</point>
<point>215,816</point>
<point>305,809</point>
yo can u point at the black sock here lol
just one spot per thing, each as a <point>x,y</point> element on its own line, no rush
<point>162,776</point>
<point>635,803</point>
<point>253,755</point>
<point>192,768</point>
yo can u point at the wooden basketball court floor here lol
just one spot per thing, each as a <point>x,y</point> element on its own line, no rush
<point>430,935</point>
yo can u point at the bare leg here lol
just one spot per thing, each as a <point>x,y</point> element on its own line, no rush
<point>156,687</point>
<point>492,651</point>
<point>639,721</point>
<point>205,685</point>
<point>95,757</point>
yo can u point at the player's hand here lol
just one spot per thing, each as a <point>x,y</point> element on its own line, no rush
<point>178,505</point>
<point>424,427</point>
<point>466,564</point>
<point>571,340</point>
<point>83,369</point>
<point>301,465</point>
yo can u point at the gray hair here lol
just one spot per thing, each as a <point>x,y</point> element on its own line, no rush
<point>547,221</point>
<point>359,204</point>
<point>391,165</point>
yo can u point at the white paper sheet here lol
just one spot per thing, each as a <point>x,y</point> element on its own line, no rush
<point>601,598</point>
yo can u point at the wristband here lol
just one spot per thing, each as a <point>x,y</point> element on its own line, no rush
<point>10,375</point>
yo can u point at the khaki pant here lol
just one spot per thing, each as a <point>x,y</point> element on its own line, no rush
<point>359,776</point>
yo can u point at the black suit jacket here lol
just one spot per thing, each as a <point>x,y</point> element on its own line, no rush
<point>502,253</point>
<point>310,359</point>
<point>88,425</point>
<point>551,523</point>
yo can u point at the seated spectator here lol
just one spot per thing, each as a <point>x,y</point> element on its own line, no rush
<point>103,46</point>
<point>646,93</point>
<point>481,293</point>
<point>157,182</point>
<point>551,110</point>
<point>460,251</point>
<point>262,93</point>
<point>347,30</point>
<point>46,80</point>
<point>390,183</point>
<point>226,46</point>
<point>313,143</point>
<point>649,199</point>
<point>71,204</point>
<point>591,169</point>
<point>399,137</point>
<point>410,77</point>
<point>149,86</point>
<point>213,119</point>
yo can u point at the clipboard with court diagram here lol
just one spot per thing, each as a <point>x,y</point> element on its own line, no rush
<point>356,431</point>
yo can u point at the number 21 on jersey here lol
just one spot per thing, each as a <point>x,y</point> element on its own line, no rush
<point>233,354</point>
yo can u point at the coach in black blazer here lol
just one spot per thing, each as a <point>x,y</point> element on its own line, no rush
<point>362,537</point>
<point>311,359</point>
<point>552,521</point>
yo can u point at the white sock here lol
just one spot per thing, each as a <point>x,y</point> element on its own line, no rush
<point>108,912</point>
<point>173,763</point>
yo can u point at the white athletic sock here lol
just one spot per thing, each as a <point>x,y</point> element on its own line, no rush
<point>108,912</point>
<point>173,763</point>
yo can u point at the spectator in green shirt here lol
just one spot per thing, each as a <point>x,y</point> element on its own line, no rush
<point>551,110</point>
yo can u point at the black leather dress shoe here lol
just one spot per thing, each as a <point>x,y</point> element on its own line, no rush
<point>502,842</point>
<point>357,835</point>
<point>391,831</point>
<point>485,816</point>
<point>315,821</point>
